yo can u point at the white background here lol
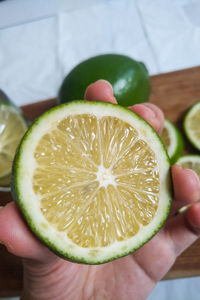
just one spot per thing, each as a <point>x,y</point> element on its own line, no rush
<point>41,40</point>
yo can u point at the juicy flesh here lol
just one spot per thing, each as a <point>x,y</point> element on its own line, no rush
<point>12,128</point>
<point>165,137</point>
<point>96,180</point>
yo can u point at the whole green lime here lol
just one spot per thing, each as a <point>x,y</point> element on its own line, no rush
<point>128,77</point>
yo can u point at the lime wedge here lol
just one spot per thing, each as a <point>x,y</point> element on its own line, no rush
<point>173,140</point>
<point>12,128</point>
<point>192,125</point>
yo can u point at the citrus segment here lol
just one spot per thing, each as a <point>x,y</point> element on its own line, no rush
<point>95,180</point>
<point>69,159</point>
<point>191,125</point>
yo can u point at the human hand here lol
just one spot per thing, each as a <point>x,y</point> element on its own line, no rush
<point>47,276</point>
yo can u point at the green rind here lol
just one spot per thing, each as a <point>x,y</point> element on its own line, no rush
<point>187,133</point>
<point>16,193</point>
<point>179,146</point>
<point>128,77</point>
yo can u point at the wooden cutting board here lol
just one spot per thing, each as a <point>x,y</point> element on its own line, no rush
<point>174,92</point>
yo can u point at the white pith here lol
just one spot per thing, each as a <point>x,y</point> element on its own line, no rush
<point>31,201</point>
<point>171,149</point>
<point>105,177</point>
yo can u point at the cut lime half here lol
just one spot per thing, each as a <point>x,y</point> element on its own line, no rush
<point>12,128</point>
<point>192,125</point>
<point>92,180</point>
<point>173,141</point>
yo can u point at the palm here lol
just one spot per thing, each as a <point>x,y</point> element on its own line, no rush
<point>132,276</point>
<point>114,280</point>
<point>120,279</point>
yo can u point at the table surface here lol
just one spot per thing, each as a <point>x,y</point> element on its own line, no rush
<point>174,92</point>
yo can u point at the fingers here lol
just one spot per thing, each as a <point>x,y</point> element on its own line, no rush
<point>151,113</point>
<point>186,187</point>
<point>178,234</point>
<point>18,239</point>
<point>193,218</point>
<point>101,90</point>
<point>184,229</point>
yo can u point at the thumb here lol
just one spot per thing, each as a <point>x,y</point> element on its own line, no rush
<point>100,90</point>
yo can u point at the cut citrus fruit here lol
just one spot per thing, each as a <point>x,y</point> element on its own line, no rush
<point>12,128</point>
<point>128,77</point>
<point>191,161</point>
<point>173,141</point>
<point>191,125</point>
<point>92,180</point>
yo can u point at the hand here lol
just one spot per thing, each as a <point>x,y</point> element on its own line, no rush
<point>47,276</point>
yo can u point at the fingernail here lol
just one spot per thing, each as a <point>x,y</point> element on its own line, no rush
<point>153,119</point>
<point>151,112</point>
<point>105,81</point>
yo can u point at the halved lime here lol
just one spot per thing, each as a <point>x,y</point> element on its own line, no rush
<point>192,125</point>
<point>128,77</point>
<point>191,161</point>
<point>173,140</point>
<point>92,180</point>
<point>12,128</point>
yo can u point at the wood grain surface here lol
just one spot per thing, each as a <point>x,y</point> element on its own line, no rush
<point>174,92</point>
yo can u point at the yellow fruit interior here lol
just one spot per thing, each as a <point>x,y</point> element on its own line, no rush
<point>12,128</point>
<point>165,137</point>
<point>194,122</point>
<point>96,180</point>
